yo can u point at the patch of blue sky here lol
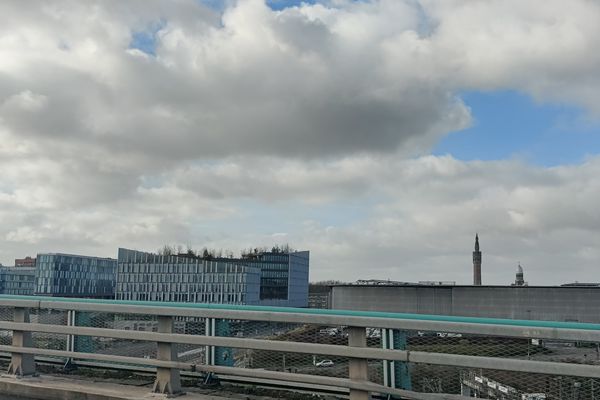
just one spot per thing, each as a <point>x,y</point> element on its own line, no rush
<point>151,182</point>
<point>145,40</point>
<point>220,5</point>
<point>510,124</point>
<point>281,4</point>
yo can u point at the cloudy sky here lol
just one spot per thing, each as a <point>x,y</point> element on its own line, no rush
<point>379,135</point>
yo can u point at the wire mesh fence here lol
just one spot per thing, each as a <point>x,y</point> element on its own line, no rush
<point>6,314</point>
<point>509,385</point>
<point>420,377</point>
<point>497,384</point>
<point>51,341</point>
<point>116,346</point>
<point>292,362</point>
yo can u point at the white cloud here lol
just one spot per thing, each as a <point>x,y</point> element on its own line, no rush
<point>252,126</point>
<point>380,217</point>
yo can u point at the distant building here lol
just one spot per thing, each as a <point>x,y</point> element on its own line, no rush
<point>437,283</point>
<point>182,278</point>
<point>67,275</point>
<point>284,277</point>
<point>581,284</point>
<point>28,262</point>
<point>266,278</point>
<point>573,303</point>
<point>519,280</point>
<point>318,294</point>
<point>380,282</point>
<point>477,263</point>
<point>17,281</point>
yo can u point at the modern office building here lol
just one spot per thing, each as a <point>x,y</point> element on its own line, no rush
<point>67,275</point>
<point>284,277</point>
<point>17,281</point>
<point>183,278</point>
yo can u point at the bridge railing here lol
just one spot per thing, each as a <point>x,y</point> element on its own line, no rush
<point>404,355</point>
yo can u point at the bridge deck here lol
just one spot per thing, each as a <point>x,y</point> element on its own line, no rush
<point>51,387</point>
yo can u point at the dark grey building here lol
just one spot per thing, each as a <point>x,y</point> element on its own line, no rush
<point>182,278</point>
<point>67,275</point>
<point>548,303</point>
<point>17,280</point>
<point>284,277</point>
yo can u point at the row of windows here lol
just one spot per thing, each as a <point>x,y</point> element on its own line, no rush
<point>77,267</point>
<point>17,285</point>
<point>179,287</point>
<point>19,292</point>
<point>231,298</point>
<point>75,275</point>
<point>187,278</point>
<point>74,290</point>
<point>75,282</point>
<point>17,278</point>
<point>200,267</point>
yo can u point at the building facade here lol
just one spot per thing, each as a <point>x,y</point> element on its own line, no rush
<point>28,262</point>
<point>17,281</point>
<point>284,277</point>
<point>181,278</point>
<point>67,275</point>
<point>545,303</point>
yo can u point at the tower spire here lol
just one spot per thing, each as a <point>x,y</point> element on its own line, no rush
<point>519,279</point>
<point>477,263</point>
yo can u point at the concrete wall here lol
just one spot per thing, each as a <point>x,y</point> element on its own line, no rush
<point>580,304</point>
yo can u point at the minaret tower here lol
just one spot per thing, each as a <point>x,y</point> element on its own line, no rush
<point>477,263</point>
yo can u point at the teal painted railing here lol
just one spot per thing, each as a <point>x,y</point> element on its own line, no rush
<point>315,311</point>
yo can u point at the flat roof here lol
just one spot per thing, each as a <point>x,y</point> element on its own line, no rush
<point>468,286</point>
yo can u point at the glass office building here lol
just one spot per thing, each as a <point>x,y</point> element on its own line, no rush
<point>17,281</point>
<point>284,277</point>
<point>67,275</point>
<point>181,278</point>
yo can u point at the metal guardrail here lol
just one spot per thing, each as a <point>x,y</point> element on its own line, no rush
<point>403,342</point>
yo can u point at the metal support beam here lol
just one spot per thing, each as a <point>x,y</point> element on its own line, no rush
<point>168,380</point>
<point>358,368</point>
<point>21,364</point>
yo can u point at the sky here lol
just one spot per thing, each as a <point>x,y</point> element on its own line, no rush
<point>379,135</point>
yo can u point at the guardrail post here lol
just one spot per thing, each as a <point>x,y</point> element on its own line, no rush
<point>396,374</point>
<point>21,364</point>
<point>209,351</point>
<point>358,368</point>
<point>167,379</point>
